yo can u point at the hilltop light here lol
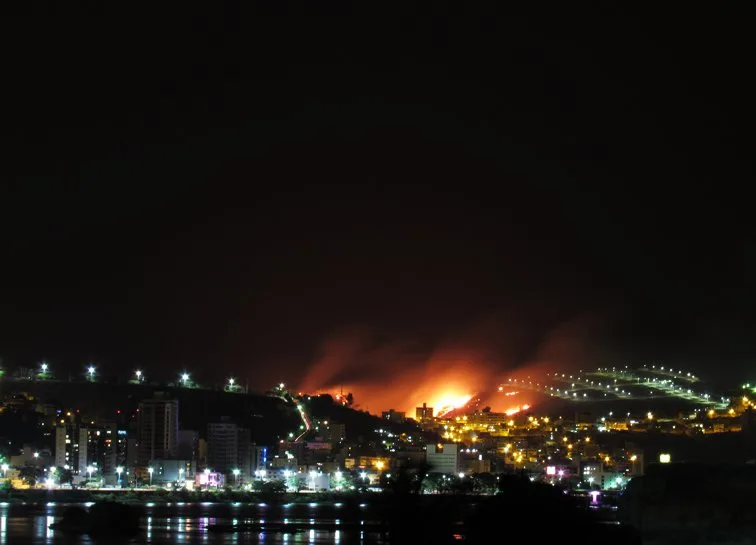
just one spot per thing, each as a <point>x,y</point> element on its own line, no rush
<point>184,377</point>
<point>44,367</point>
<point>91,370</point>
<point>231,382</point>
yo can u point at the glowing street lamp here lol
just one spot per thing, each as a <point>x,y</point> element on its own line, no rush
<point>119,470</point>
<point>44,367</point>
<point>91,372</point>
<point>138,374</point>
<point>236,473</point>
<point>184,378</point>
<point>5,468</point>
<point>150,470</point>
<point>231,381</point>
<point>90,470</point>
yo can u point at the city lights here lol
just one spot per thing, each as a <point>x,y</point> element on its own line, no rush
<point>150,470</point>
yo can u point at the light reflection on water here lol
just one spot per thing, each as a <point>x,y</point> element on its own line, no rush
<point>188,525</point>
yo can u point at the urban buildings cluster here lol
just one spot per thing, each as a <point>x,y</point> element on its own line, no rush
<point>152,446</point>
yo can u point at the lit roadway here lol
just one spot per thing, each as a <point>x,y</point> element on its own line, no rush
<point>616,383</point>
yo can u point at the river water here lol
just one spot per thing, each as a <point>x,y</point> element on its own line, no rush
<point>187,523</point>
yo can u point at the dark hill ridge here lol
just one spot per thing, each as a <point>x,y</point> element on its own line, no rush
<point>267,417</point>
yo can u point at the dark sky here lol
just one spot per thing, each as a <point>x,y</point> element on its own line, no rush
<point>226,194</point>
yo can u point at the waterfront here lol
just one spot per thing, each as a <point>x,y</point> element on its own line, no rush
<point>189,523</point>
<point>193,522</point>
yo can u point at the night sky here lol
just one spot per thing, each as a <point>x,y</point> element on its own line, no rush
<point>242,198</point>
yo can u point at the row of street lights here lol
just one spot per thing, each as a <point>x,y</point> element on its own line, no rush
<point>91,371</point>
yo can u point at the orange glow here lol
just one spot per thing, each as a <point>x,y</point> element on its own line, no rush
<point>448,402</point>
<point>515,410</point>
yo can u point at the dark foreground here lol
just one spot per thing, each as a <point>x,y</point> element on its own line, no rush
<point>540,514</point>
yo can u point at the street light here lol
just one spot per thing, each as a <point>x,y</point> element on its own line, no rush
<point>138,374</point>
<point>90,470</point>
<point>44,367</point>
<point>150,470</point>
<point>5,468</point>
<point>119,470</point>
<point>91,371</point>
<point>184,378</point>
<point>236,473</point>
<point>231,382</point>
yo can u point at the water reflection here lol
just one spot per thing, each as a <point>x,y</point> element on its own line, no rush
<point>195,524</point>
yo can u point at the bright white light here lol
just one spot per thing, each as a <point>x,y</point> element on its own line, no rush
<point>337,474</point>
<point>44,367</point>
<point>363,475</point>
<point>150,470</point>
<point>313,474</point>
<point>236,472</point>
<point>184,377</point>
<point>138,374</point>
<point>664,458</point>
<point>262,473</point>
<point>91,370</point>
<point>119,470</point>
<point>461,475</point>
<point>287,473</point>
<point>281,385</point>
<point>207,471</point>
<point>231,381</point>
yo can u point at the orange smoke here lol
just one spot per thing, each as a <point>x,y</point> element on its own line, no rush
<point>401,376</point>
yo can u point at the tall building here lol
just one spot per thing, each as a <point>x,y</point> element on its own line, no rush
<point>157,428</point>
<point>61,448</point>
<point>424,413</point>
<point>228,447</point>
<point>258,458</point>
<point>71,445</point>
<point>106,450</point>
